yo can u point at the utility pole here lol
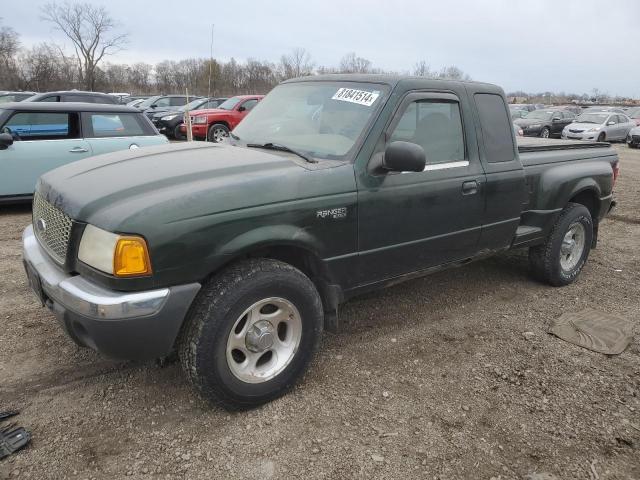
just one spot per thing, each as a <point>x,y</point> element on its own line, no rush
<point>210,63</point>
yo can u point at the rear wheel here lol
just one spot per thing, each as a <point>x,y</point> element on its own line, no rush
<point>545,132</point>
<point>560,259</point>
<point>251,333</point>
<point>217,133</point>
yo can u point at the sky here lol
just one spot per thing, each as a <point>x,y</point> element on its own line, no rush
<point>534,46</point>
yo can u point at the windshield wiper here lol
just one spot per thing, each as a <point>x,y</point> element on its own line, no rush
<point>282,148</point>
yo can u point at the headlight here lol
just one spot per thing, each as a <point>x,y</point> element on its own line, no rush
<point>168,117</point>
<point>199,120</point>
<point>119,255</point>
<point>594,129</point>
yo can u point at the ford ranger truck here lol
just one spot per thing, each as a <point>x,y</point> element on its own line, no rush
<point>237,255</point>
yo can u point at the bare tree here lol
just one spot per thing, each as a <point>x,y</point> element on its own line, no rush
<point>297,64</point>
<point>90,29</point>
<point>9,45</point>
<point>351,63</point>
<point>422,69</point>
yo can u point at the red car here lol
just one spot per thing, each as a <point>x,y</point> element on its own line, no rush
<point>215,124</point>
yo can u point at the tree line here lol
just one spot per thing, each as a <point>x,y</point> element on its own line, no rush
<point>94,37</point>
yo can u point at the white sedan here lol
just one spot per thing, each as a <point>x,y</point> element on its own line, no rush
<point>600,126</point>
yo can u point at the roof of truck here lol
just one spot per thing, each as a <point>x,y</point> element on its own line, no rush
<point>380,78</point>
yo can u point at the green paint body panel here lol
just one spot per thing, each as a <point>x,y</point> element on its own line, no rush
<point>201,206</point>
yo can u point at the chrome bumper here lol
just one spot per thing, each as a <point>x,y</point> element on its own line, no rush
<point>127,325</point>
<point>84,297</point>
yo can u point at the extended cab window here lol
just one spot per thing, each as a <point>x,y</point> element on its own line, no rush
<point>42,125</point>
<point>496,128</point>
<point>434,125</point>
<point>116,125</point>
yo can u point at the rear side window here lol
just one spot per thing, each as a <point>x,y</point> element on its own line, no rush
<point>41,126</point>
<point>434,125</point>
<point>496,128</point>
<point>115,125</point>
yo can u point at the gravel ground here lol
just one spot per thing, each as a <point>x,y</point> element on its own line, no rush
<point>450,376</point>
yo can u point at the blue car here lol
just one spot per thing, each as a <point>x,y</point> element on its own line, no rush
<point>38,137</point>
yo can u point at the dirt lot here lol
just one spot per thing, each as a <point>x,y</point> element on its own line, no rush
<point>450,376</point>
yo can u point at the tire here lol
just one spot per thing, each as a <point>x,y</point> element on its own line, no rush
<point>602,137</point>
<point>545,133</point>
<point>217,132</point>
<point>556,262</point>
<point>217,333</point>
<point>177,134</point>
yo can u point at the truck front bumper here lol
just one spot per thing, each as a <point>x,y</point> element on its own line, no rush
<point>125,325</point>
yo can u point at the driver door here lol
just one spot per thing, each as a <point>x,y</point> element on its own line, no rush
<point>42,141</point>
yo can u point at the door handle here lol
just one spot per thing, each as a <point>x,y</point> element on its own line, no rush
<point>78,150</point>
<point>470,188</point>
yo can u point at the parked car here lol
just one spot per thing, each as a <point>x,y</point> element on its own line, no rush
<point>602,108</point>
<point>135,103</point>
<point>214,125</point>
<point>169,122</point>
<point>633,137</point>
<point>238,255</point>
<point>517,113</point>
<point>545,123</point>
<point>522,106</point>
<point>74,96</point>
<point>8,97</point>
<point>634,114</point>
<point>37,137</point>
<point>600,126</point>
<point>518,130</point>
<point>571,108</point>
<point>163,103</point>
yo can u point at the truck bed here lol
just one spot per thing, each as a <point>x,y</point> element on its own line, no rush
<point>534,144</point>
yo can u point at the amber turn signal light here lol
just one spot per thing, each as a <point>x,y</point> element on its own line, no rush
<point>131,257</point>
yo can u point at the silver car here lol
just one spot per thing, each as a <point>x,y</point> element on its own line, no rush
<point>599,126</point>
<point>633,138</point>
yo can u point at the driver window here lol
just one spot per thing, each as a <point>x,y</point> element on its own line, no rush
<point>434,125</point>
<point>249,104</point>
<point>163,102</point>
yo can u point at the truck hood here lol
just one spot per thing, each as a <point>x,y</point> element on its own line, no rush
<point>130,190</point>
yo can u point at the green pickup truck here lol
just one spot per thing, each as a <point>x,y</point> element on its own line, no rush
<point>237,255</point>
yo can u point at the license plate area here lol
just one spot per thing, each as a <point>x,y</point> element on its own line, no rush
<point>35,283</point>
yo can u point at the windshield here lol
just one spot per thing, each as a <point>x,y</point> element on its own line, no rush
<point>229,104</point>
<point>540,115</point>
<point>320,119</point>
<point>11,98</point>
<point>592,118</point>
<point>148,102</point>
<point>192,105</point>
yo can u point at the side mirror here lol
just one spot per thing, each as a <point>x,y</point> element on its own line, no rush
<point>242,109</point>
<point>404,157</point>
<point>6,139</point>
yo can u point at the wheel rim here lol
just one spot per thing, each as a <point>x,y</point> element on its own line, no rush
<point>545,133</point>
<point>572,246</point>
<point>264,340</point>
<point>219,134</point>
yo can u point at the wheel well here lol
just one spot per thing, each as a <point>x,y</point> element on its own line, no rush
<point>309,264</point>
<point>589,199</point>
<point>222,122</point>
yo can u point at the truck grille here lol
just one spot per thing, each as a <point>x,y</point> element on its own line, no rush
<point>52,228</point>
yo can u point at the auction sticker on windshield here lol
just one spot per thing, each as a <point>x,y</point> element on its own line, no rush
<point>361,97</point>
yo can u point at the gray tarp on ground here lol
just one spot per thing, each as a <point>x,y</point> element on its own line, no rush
<point>594,330</point>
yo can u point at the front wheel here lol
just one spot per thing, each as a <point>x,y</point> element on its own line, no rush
<point>560,259</point>
<point>177,134</point>
<point>601,137</point>
<point>251,333</point>
<point>217,133</point>
<point>545,132</point>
